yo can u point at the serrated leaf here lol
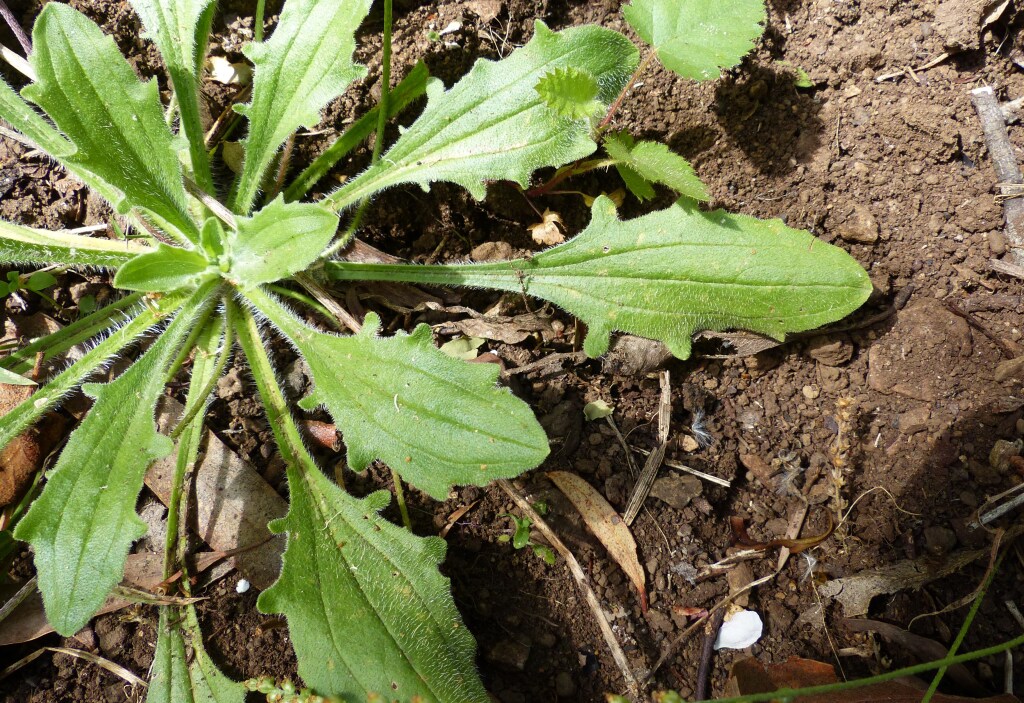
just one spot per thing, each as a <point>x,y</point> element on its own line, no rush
<point>278,241</point>
<point>305,64</point>
<point>181,675</point>
<point>114,120</point>
<point>435,420</point>
<point>667,275</point>
<point>570,92</point>
<point>167,268</point>
<point>84,521</point>
<point>172,25</point>
<point>26,245</point>
<point>698,38</point>
<point>367,609</point>
<point>653,162</point>
<point>494,125</point>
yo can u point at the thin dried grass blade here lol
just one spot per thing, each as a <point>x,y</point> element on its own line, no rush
<point>115,669</point>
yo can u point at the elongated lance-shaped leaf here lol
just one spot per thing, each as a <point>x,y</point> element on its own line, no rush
<point>21,417</point>
<point>435,420</point>
<point>697,38</point>
<point>412,86</point>
<point>23,359</point>
<point>172,25</point>
<point>367,609</point>
<point>84,521</point>
<point>183,675</point>
<point>305,64</point>
<point>278,241</point>
<point>114,120</point>
<point>493,124</point>
<point>26,120</point>
<point>27,245</point>
<point>669,274</point>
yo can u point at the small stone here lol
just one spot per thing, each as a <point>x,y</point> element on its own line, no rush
<point>1002,451</point>
<point>677,490</point>
<point>509,654</point>
<point>914,421</point>
<point>1010,369</point>
<point>997,243</point>
<point>830,351</point>
<point>659,621</point>
<point>565,687</point>
<point>939,540</point>
<point>861,226</point>
<point>689,444</point>
<point>492,251</point>
<point>811,392</point>
<point>297,375</point>
<point>229,384</point>
<point>738,578</point>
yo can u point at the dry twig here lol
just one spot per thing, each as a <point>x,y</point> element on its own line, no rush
<point>581,580</point>
<point>650,471</point>
<point>1004,161</point>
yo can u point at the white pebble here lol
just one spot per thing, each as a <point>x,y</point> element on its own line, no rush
<point>242,586</point>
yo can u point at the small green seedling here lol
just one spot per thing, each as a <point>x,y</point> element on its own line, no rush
<point>520,538</point>
<point>209,266</point>
<point>36,282</point>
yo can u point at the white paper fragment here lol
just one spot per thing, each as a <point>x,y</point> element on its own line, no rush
<point>740,631</point>
<point>242,586</point>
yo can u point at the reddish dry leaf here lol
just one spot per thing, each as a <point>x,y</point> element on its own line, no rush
<point>24,455</point>
<point>795,546</point>
<point>749,676</point>
<point>607,526</point>
<point>455,517</point>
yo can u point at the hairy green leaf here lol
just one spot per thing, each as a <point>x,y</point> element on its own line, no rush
<point>304,65</point>
<point>435,420</point>
<point>115,121</point>
<point>84,522</point>
<point>367,609</point>
<point>669,274</point>
<point>641,163</point>
<point>172,25</point>
<point>21,417</point>
<point>366,606</point>
<point>570,92</point>
<point>278,241</point>
<point>23,118</point>
<point>13,379</point>
<point>698,38</point>
<point>494,125</point>
<point>167,268</point>
<point>183,675</point>
<point>26,245</point>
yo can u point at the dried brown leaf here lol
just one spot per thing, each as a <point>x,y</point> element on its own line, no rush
<point>607,526</point>
<point>548,231</point>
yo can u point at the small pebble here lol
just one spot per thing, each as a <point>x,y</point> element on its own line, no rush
<point>242,586</point>
<point>811,392</point>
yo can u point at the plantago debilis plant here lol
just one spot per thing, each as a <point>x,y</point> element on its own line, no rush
<point>367,608</point>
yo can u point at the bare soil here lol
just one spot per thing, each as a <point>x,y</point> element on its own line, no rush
<point>893,168</point>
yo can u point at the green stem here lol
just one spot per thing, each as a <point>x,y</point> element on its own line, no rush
<point>23,360</point>
<point>975,606</point>
<point>501,275</point>
<point>790,693</point>
<point>378,142</point>
<point>190,341</point>
<point>411,88</point>
<point>222,355</point>
<point>257,27</point>
<point>208,362</point>
<point>400,499</point>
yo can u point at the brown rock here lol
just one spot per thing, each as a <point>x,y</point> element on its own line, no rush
<point>677,490</point>
<point>830,351</point>
<point>861,226</point>
<point>492,251</point>
<point>919,355</point>
<point>914,421</point>
<point>958,22</point>
<point>1010,369</point>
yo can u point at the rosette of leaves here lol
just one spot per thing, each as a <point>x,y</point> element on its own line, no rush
<point>203,275</point>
